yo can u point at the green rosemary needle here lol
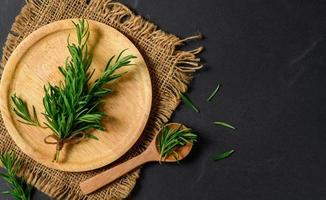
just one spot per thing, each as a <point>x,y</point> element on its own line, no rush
<point>224,155</point>
<point>225,125</point>
<point>18,188</point>
<point>170,140</point>
<point>72,108</point>
<point>188,102</point>
<point>214,92</point>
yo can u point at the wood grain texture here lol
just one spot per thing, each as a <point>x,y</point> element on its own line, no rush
<point>34,64</point>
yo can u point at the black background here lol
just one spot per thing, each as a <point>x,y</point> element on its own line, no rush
<point>270,58</point>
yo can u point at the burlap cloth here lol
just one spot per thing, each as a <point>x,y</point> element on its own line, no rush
<point>170,69</point>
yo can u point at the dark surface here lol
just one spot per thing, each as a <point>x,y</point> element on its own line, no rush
<point>270,57</point>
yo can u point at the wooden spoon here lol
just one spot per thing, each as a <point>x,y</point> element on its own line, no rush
<point>149,155</point>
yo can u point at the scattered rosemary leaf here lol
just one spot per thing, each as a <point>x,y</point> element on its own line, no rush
<point>214,92</point>
<point>169,140</point>
<point>224,155</point>
<point>18,188</point>
<point>225,125</point>
<point>188,102</point>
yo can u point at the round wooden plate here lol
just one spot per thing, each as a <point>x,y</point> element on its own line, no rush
<point>35,63</point>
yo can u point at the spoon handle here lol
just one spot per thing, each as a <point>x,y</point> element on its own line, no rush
<point>92,184</point>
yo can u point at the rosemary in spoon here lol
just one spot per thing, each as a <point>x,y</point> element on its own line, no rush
<point>18,188</point>
<point>72,108</point>
<point>170,140</point>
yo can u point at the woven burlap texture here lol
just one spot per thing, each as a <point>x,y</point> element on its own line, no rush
<point>170,69</point>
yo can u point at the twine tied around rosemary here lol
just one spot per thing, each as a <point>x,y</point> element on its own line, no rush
<point>59,142</point>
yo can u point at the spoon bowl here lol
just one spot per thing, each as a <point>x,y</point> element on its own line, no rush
<point>181,151</point>
<point>151,154</point>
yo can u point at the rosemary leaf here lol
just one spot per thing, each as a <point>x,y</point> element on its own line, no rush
<point>214,92</point>
<point>225,125</point>
<point>188,102</point>
<point>224,155</point>
<point>18,188</point>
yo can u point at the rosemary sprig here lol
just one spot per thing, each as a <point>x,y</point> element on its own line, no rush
<point>225,125</point>
<point>223,155</point>
<point>18,188</point>
<point>214,92</point>
<point>188,102</point>
<point>72,108</point>
<point>21,110</point>
<point>170,140</point>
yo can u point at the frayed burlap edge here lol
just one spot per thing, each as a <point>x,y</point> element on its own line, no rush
<point>171,71</point>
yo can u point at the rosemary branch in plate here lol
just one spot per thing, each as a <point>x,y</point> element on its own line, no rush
<point>73,108</point>
<point>171,139</point>
<point>22,111</point>
<point>18,188</point>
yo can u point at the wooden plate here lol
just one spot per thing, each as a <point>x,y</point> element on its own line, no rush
<point>35,63</point>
